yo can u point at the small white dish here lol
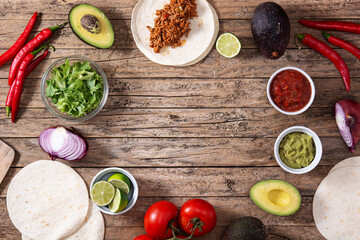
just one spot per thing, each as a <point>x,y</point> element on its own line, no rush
<point>318,152</point>
<point>312,97</point>
<point>104,175</point>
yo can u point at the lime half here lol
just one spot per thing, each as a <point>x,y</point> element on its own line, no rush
<point>119,203</point>
<point>121,182</point>
<point>228,45</point>
<point>102,193</point>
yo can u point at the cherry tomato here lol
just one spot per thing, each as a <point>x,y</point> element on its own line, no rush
<point>197,212</point>
<point>158,218</point>
<point>143,237</point>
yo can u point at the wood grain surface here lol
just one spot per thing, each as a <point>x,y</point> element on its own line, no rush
<point>204,131</point>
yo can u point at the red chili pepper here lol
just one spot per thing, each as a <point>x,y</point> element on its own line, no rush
<point>328,52</point>
<point>29,69</point>
<point>29,47</point>
<point>343,44</point>
<point>332,25</point>
<point>20,81</point>
<point>6,56</point>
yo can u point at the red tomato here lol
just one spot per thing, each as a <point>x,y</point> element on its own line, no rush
<point>143,237</point>
<point>197,211</point>
<point>158,217</point>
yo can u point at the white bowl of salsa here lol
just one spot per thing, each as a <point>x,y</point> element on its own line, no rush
<point>290,90</point>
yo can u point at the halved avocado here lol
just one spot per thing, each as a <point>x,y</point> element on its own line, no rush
<point>91,25</point>
<point>276,197</point>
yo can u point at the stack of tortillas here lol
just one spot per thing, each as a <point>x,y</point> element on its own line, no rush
<point>196,46</point>
<point>336,205</point>
<point>49,200</point>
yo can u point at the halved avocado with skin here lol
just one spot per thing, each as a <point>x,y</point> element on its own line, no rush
<point>276,197</point>
<point>91,25</point>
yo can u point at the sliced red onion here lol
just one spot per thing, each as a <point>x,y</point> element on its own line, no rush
<point>347,116</point>
<point>63,143</point>
<point>344,129</point>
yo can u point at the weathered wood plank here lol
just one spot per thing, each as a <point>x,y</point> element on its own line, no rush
<point>227,208</point>
<point>128,233</point>
<point>230,9</point>
<point>127,63</point>
<point>124,40</point>
<point>175,152</point>
<point>192,93</point>
<point>230,122</point>
<point>202,181</point>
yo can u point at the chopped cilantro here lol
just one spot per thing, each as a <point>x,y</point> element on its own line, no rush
<point>75,89</point>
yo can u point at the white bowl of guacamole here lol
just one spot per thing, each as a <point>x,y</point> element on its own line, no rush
<point>298,150</point>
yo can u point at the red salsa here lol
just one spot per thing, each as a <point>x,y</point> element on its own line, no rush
<point>290,90</point>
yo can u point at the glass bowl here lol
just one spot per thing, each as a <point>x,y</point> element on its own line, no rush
<point>53,109</point>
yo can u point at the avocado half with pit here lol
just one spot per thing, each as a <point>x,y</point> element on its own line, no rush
<point>91,25</point>
<point>276,197</point>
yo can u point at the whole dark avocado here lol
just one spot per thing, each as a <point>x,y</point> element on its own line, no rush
<point>246,228</point>
<point>270,27</point>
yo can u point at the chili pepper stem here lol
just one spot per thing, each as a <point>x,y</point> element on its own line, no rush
<point>300,37</point>
<point>296,43</point>
<point>326,35</point>
<point>54,29</point>
<point>8,110</point>
<point>41,48</point>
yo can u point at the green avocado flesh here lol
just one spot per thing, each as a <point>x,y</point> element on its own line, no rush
<point>276,197</point>
<point>245,228</point>
<point>91,25</point>
<point>297,150</point>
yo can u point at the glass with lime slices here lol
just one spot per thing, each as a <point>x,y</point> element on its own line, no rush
<point>114,192</point>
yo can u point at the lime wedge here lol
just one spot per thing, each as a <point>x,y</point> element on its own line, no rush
<point>119,203</point>
<point>228,45</point>
<point>102,193</point>
<point>121,182</point>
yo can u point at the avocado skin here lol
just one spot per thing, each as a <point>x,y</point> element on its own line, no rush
<point>246,228</point>
<point>84,40</point>
<point>270,27</point>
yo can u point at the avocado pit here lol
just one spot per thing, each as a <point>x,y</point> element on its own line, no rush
<point>91,23</point>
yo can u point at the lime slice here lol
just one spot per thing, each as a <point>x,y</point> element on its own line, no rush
<point>121,182</point>
<point>102,193</point>
<point>119,203</point>
<point>228,45</point>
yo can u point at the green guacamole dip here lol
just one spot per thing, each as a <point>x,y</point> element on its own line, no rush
<point>297,150</point>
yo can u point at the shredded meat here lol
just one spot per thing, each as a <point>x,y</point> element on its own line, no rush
<point>171,24</point>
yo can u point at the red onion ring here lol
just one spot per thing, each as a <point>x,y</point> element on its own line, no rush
<point>64,143</point>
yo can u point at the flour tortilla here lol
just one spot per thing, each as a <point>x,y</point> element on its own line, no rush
<point>92,229</point>
<point>336,205</point>
<point>349,162</point>
<point>200,38</point>
<point>47,200</point>
<point>207,51</point>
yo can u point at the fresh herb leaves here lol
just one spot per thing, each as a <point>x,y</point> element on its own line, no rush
<point>75,89</point>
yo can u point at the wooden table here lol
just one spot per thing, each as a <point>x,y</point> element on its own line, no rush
<point>205,131</point>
